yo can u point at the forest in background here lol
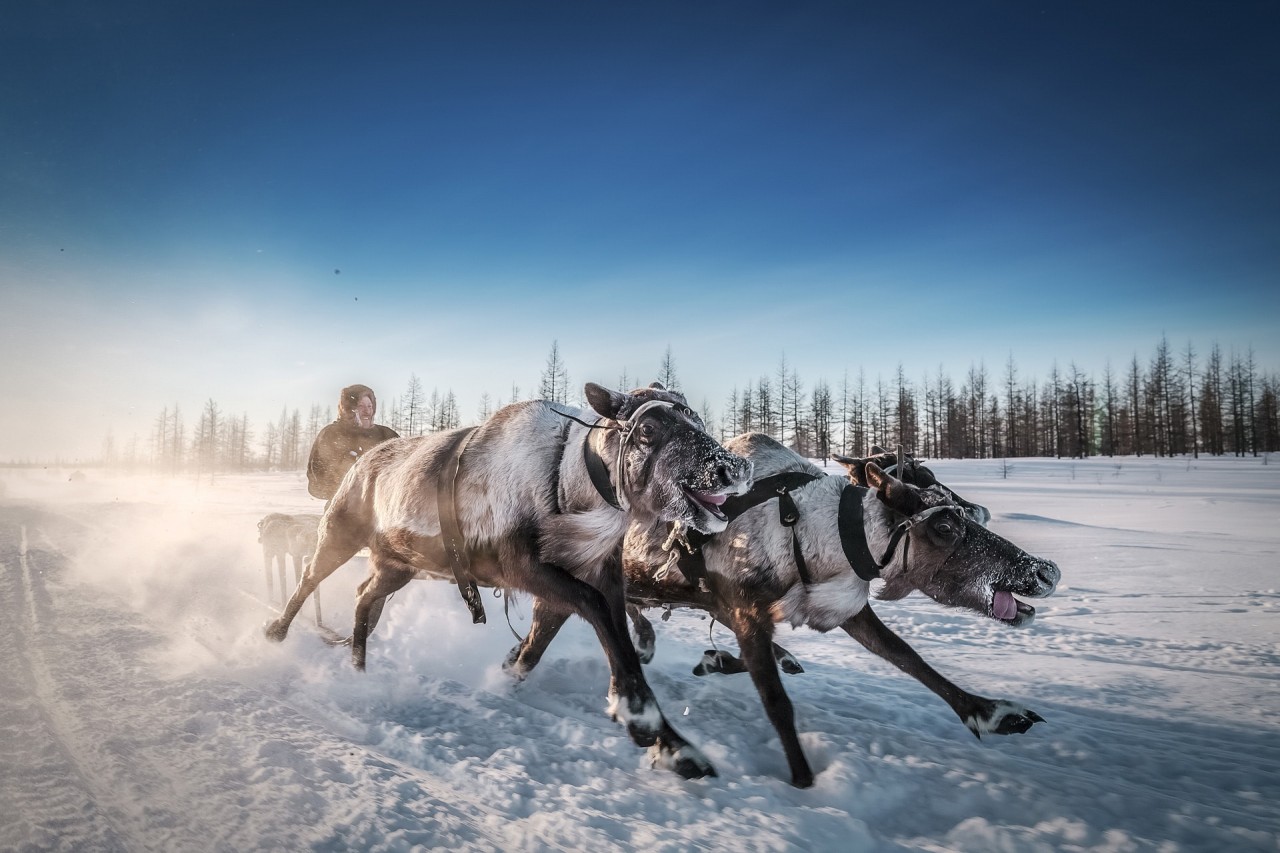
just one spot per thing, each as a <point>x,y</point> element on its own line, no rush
<point>1173,403</point>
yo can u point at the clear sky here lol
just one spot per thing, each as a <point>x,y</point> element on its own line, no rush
<point>259,203</point>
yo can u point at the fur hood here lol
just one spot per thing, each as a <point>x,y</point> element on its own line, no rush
<point>350,398</point>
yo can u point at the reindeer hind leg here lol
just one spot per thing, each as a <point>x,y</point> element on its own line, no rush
<point>543,627</point>
<point>646,640</point>
<point>339,542</point>
<point>386,575</point>
<point>631,699</point>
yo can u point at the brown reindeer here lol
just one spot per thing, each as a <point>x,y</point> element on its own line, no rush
<point>537,498</point>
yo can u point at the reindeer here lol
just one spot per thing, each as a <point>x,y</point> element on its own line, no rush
<point>803,547</point>
<point>285,536</point>
<point>910,471</point>
<point>536,499</point>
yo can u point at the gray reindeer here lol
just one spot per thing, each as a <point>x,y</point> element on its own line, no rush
<point>538,499</point>
<point>804,547</point>
<point>909,471</point>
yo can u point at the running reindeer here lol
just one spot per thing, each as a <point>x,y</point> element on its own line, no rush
<point>802,547</point>
<point>535,499</point>
<point>910,471</point>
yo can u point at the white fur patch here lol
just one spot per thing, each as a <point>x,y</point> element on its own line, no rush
<point>649,718</point>
<point>580,542</point>
<point>826,604</point>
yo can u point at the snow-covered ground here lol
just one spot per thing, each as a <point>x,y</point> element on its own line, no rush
<point>141,708</point>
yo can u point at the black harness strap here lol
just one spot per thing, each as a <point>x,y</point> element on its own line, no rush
<point>598,471</point>
<point>768,488</point>
<point>693,565</point>
<point>788,515</point>
<point>451,531</point>
<point>853,536</point>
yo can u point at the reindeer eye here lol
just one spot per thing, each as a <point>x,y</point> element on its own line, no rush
<point>647,430</point>
<point>946,530</point>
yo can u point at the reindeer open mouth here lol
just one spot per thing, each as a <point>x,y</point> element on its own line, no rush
<point>1005,608</point>
<point>708,501</point>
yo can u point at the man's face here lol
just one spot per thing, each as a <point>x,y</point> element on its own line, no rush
<point>364,412</point>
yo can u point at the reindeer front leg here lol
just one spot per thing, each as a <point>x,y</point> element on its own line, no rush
<point>631,700</point>
<point>980,715</point>
<point>268,563</point>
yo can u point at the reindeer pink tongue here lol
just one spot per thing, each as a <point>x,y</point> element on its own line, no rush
<point>1004,605</point>
<point>714,500</point>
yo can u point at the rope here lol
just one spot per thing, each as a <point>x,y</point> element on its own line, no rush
<point>506,611</point>
<point>584,423</point>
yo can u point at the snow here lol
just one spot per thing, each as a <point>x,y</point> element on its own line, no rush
<point>141,708</point>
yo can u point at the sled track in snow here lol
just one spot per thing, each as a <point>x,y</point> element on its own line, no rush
<point>60,785</point>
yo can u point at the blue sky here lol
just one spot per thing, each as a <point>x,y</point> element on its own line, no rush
<point>260,203</point>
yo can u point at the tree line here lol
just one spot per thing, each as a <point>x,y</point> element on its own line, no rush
<point>1172,403</point>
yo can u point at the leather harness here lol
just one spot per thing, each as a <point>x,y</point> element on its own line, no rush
<point>451,531</point>
<point>853,537</point>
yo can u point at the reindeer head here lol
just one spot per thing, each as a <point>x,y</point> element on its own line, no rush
<point>665,465</point>
<point>953,559</point>
<point>912,472</point>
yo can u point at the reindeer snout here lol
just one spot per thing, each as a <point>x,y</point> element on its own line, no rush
<point>736,474</point>
<point>1048,574</point>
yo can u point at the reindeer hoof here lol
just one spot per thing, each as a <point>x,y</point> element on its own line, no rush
<point>685,760</point>
<point>788,664</point>
<point>641,735</point>
<point>711,662</point>
<point>1003,718</point>
<point>645,651</point>
<point>642,718</point>
<point>718,661</point>
<point>275,631</point>
<point>512,666</point>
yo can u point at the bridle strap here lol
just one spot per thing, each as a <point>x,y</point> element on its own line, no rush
<point>628,429</point>
<point>853,534</point>
<point>767,488</point>
<point>613,488</point>
<point>599,472</point>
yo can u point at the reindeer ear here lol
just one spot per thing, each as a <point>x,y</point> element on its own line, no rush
<point>892,492</point>
<point>606,403</point>
<point>855,468</point>
<point>877,450</point>
<point>657,386</point>
<point>876,477</point>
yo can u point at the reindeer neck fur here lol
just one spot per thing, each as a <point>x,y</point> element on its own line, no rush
<point>586,533</point>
